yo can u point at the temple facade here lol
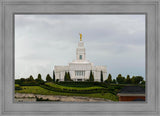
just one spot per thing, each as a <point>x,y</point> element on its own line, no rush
<point>80,68</point>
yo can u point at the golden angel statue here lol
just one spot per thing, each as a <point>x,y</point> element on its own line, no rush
<point>80,36</point>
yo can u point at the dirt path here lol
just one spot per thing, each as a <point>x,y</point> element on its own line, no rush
<point>61,98</point>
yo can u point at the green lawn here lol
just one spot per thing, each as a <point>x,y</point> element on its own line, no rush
<point>42,91</point>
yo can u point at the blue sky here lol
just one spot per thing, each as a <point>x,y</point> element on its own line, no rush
<point>115,41</point>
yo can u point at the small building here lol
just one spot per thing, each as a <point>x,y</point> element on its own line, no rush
<point>132,93</point>
<point>80,68</point>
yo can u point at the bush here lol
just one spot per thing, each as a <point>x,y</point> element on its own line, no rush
<point>57,80</point>
<point>81,84</point>
<point>17,81</point>
<point>58,88</point>
<point>114,88</point>
<point>28,82</point>
<point>17,87</point>
<point>102,93</point>
<point>33,83</point>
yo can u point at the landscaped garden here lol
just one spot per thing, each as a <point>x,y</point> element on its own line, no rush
<point>107,89</point>
<point>47,91</point>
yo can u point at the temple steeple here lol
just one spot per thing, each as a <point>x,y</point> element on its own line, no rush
<point>80,68</point>
<point>80,52</point>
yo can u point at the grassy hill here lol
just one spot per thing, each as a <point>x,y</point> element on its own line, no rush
<point>58,89</point>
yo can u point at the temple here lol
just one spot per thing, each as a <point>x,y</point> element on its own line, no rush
<point>80,68</point>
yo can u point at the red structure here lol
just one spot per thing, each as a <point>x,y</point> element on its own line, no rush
<point>131,98</point>
<point>132,93</point>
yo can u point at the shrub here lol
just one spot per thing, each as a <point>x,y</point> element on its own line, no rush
<point>81,84</point>
<point>17,87</point>
<point>58,88</point>
<point>57,80</point>
<point>48,78</point>
<point>33,83</point>
<point>91,76</point>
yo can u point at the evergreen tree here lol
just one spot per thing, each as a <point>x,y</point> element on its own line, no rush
<point>143,82</point>
<point>109,80</point>
<point>91,77</point>
<point>48,78</point>
<point>101,76</point>
<point>120,79</point>
<point>65,76</point>
<point>39,79</point>
<point>57,80</point>
<point>22,80</point>
<point>54,76</point>
<point>133,80</point>
<point>106,81</point>
<point>30,78</point>
<point>69,77</point>
<point>138,79</point>
<point>114,81</point>
<point>128,80</point>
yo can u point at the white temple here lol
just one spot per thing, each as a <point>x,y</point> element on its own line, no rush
<point>80,68</point>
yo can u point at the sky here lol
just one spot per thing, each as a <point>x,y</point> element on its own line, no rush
<point>115,41</point>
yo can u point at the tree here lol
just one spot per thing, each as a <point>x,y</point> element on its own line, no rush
<point>109,80</point>
<point>101,76</point>
<point>66,76</point>
<point>128,80</point>
<point>48,78</point>
<point>39,79</point>
<point>120,79</point>
<point>91,77</point>
<point>54,78</point>
<point>133,80</point>
<point>30,78</point>
<point>57,80</point>
<point>106,81</point>
<point>114,81</point>
<point>143,82</point>
<point>22,80</point>
<point>138,79</point>
<point>69,77</point>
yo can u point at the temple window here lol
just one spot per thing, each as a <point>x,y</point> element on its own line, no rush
<point>80,57</point>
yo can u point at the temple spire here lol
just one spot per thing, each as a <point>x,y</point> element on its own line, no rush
<point>80,36</point>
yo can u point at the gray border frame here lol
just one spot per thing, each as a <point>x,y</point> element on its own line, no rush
<point>9,7</point>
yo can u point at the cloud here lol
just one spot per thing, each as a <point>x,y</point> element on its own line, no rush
<point>42,41</point>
